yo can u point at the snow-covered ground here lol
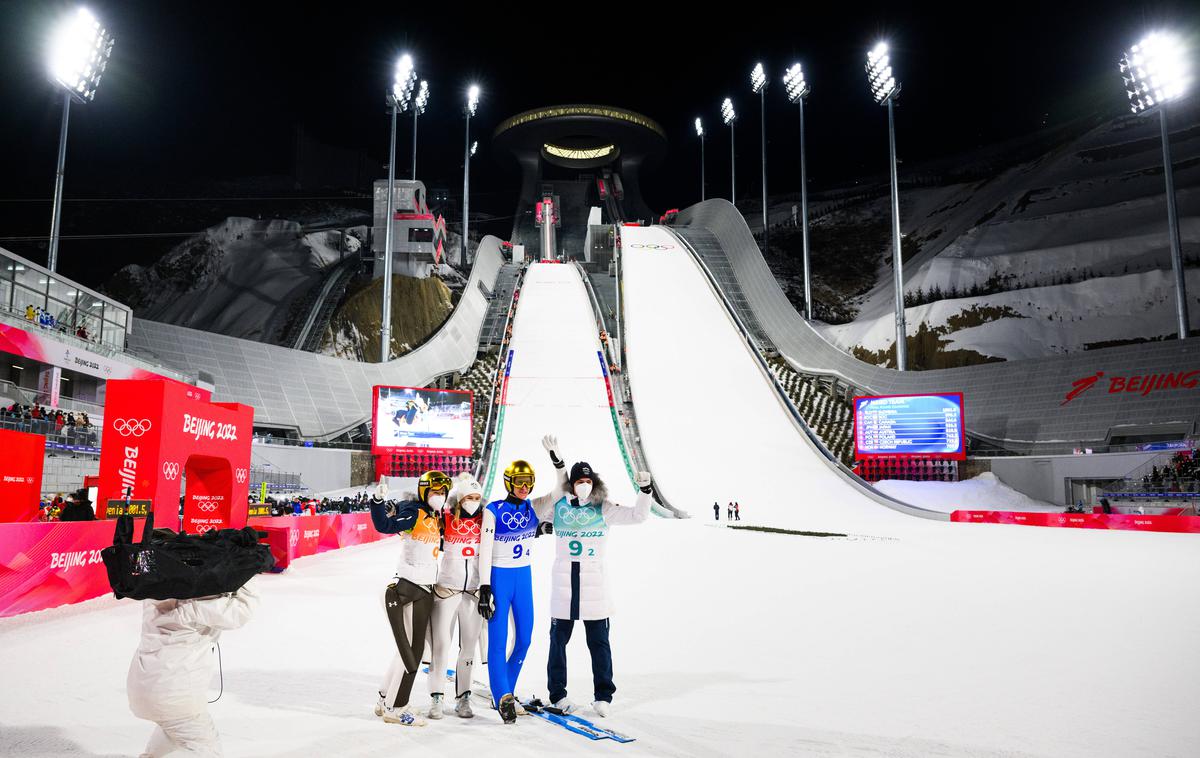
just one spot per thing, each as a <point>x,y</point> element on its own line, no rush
<point>981,493</point>
<point>912,638</point>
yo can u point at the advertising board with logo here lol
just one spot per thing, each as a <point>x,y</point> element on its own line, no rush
<point>20,475</point>
<point>927,426</point>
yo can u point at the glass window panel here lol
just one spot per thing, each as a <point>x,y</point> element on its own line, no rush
<point>6,289</point>
<point>28,277</point>
<point>24,297</point>
<point>63,313</point>
<point>116,316</point>
<point>90,308</point>
<point>113,335</point>
<point>63,291</point>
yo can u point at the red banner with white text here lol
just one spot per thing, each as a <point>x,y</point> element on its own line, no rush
<point>1124,521</point>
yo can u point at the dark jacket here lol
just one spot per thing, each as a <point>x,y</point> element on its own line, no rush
<point>76,511</point>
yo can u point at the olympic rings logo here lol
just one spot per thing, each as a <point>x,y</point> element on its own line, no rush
<point>515,520</point>
<point>465,527</point>
<point>133,427</point>
<point>241,475</point>
<point>170,471</point>
<point>576,516</point>
<point>652,246</point>
<point>208,507</point>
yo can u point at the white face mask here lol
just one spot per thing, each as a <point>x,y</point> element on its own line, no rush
<point>469,505</point>
<point>437,501</point>
<point>582,490</point>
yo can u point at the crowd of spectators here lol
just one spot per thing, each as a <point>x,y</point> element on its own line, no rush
<point>46,320</point>
<point>302,506</point>
<point>1181,474</point>
<point>73,507</point>
<point>77,428</point>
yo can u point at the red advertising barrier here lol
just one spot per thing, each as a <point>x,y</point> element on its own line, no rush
<point>293,537</point>
<point>52,564</point>
<point>20,475</point>
<point>1123,521</point>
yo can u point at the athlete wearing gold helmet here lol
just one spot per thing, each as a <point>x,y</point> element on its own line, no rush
<point>519,474</point>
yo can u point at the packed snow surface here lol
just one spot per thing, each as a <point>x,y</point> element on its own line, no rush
<point>982,493</point>
<point>909,638</point>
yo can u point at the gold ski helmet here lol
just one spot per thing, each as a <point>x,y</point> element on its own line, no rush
<point>432,480</point>
<point>518,473</point>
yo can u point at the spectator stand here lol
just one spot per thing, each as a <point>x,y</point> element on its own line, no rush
<point>1169,484</point>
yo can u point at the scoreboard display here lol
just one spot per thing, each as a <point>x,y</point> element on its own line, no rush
<point>925,426</point>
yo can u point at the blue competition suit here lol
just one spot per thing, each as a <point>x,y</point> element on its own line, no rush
<point>512,590</point>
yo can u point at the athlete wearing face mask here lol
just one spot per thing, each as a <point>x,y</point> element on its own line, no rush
<point>408,600</point>
<point>579,590</point>
<point>456,595</point>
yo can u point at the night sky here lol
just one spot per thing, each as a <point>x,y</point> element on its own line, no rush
<point>204,93</point>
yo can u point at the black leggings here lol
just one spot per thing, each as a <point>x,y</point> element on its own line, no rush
<point>397,597</point>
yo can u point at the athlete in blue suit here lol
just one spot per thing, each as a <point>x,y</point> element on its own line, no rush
<point>509,528</point>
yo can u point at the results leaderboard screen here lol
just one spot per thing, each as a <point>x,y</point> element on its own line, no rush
<point>929,426</point>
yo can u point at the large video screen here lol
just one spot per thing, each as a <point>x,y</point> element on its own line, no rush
<point>929,426</point>
<point>421,420</point>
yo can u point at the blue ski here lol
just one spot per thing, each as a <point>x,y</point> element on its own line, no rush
<point>574,723</point>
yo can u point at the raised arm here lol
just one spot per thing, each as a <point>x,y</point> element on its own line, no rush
<point>402,521</point>
<point>618,515</point>
<point>544,505</point>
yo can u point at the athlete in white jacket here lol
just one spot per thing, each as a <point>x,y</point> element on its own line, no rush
<point>170,673</point>
<point>579,590</point>
<point>456,595</point>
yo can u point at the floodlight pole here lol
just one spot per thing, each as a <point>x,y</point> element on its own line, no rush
<point>56,212</point>
<point>732,168</point>
<point>897,263</point>
<point>1181,309</point>
<point>702,167</point>
<point>416,112</point>
<point>804,215</point>
<point>385,334</point>
<point>466,187</point>
<point>766,222</point>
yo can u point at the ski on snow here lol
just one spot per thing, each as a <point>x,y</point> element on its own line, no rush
<point>573,723</point>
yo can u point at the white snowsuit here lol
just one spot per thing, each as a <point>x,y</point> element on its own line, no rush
<point>579,587</point>
<point>456,600</point>
<point>174,664</point>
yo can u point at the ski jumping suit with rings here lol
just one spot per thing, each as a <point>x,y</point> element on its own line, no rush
<point>456,599</point>
<point>408,600</point>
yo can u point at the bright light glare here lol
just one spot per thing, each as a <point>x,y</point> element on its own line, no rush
<point>474,147</point>
<point>794,84</point>
<point>879,74</point>
<point>699,128</point>
<point>472,99</point>
<point>422,97</point>
<point>758,78</point>
<point>404,82</point>
<point>79,53</point>
<point>1155,71</point>
<point>727,113</point>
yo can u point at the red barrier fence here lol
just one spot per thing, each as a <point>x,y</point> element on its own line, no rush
<point>1125,521</point>
<point>44,565</point>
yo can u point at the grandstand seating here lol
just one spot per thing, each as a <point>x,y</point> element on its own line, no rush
<point>830,416</point>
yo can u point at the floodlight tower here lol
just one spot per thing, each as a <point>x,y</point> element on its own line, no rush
<point>729,116</point>
<point>79,53</point>
<point>1156,72</point>
<point>399,99</point>
<point>758,83</point>
<point>885,89</point>
<point>472,104</point>
<point>797,92</point>
<point>418,110</point>
<point>700,134</point>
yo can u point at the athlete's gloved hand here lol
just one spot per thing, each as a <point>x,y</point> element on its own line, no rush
<point>544,527</point>
<point>550,442</point>
<point>487,608</point>
<point>643,480</point>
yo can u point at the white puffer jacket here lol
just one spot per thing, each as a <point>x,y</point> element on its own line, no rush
<point>174,664</point>
<point>579,586</point>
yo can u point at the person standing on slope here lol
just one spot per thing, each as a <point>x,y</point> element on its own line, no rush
<point>408,600</point>
<point>509,528</point>
<point>579,590</point>
<point>456,596</point>
<point>716,511</point>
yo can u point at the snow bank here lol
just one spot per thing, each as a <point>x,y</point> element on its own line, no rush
<point>983,493</point>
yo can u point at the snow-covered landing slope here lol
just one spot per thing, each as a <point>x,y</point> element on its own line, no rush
<point>556,385</point>
<point>712,426</point>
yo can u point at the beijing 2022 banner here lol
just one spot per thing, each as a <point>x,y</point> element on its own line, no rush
<point>929,426</point>
<point>419,419</point>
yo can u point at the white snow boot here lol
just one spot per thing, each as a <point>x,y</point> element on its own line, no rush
<point>402,716</point>
<point>435,706</point>
<point>462,706</point>
<point>566,705</point>
<point>521,709</point>
<point>601,708</point>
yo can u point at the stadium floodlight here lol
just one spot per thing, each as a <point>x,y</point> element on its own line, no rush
<point>1156,73</point>
<point>474,147</point>
<point>700,134</point>
<point>419,106</point>
<point>797,92</point>
<point>758,82</point>
<point>885,89</point>
<point>404,79</point>
<point>729,116</point>
<point>79,51</point>
<point>468,151</point>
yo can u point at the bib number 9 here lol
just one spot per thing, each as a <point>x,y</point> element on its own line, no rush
<point>518,551</point>
<point>576,548</point>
